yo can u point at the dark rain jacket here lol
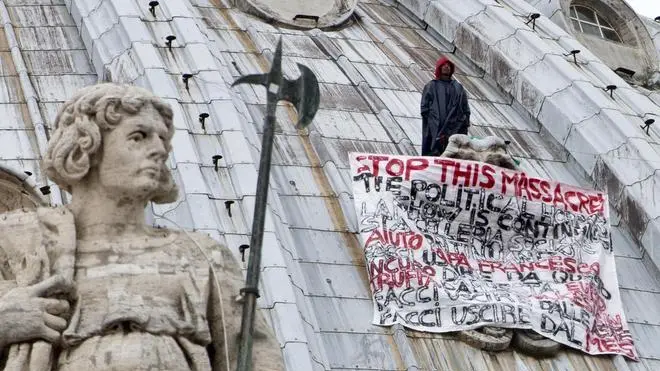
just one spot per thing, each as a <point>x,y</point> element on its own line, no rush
<point>445,111</point>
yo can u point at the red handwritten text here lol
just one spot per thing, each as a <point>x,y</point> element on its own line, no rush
<point>399,272</point>
<point>408,240</point>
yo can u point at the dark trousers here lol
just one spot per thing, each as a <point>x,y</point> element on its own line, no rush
<point>436,147</point>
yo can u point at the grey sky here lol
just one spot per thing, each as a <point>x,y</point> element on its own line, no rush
<point>649,8</point>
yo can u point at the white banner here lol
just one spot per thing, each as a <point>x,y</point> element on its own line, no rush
<point>455,245</point>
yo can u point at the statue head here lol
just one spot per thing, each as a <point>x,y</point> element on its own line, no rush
<point>117,137</point>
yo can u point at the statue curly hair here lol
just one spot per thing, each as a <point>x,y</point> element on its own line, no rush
<point>79,126</point>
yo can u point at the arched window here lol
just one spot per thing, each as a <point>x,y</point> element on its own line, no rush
<point>587,20</point>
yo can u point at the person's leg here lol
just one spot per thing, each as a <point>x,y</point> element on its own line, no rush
<point>440,145</point>
<point>426,146</point>
<point>443,141</point>
<point>463,130</point>
<point>427,140</point>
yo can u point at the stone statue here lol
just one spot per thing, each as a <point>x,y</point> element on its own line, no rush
<point>493,150</point>
<point>89,286</point>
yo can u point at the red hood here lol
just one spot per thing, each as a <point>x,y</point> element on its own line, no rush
<point>441,61</point>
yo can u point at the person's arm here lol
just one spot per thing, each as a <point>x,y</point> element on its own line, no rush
<point>425,104</point>
<point>466,110</point>
<point>425,108</point>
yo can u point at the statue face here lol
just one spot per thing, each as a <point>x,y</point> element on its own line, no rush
<point>134,155</point>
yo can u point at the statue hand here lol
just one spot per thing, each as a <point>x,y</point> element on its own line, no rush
<point>33,312</point>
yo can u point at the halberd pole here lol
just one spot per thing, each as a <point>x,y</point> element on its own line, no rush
<point>304,94</point>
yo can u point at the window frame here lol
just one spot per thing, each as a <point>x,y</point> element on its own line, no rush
<point>575,16</point>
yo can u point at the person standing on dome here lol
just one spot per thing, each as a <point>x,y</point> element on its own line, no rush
<point>444,108</point>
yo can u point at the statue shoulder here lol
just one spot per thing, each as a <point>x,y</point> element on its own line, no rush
<point>58,215</point>
<point>44,237</point>
<point>203,239</point>
<point>204,246</point>
<point>43,219</point>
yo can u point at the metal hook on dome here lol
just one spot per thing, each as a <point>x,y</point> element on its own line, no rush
<point>152,7</point>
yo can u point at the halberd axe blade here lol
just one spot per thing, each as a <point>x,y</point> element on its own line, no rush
<point>302,92</point>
